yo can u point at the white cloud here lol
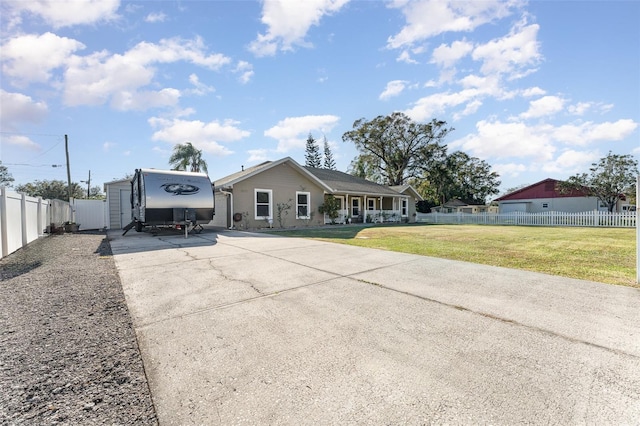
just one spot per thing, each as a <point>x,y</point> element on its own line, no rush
<point>539,143</point>
<point>31,58</point>
<point>288,23</point>
<point>107,146</point>
<point>205,136</point>
<point>513,55</point>
<point>428,18</point>
<point>154,17</point>
<point>258,155</point>
<point>22,142</point>
<point>292,132</point>
<point>470,108</point>
<point>245,69</point>
<point>394,88</point>
<point>200,88</point>
<point>508,140</point>
<point>533,91</point>
<point>580,108</point>
<point>475,88</point>
<point>547,105</point>
<point>571,161</point>
<point>582,134</point>
<point>101,76</point>
<point>509,169</point>
<point>18,108</point>
<point>65,13</point>
<point>143,99</point>
<point>446,56</point>
<point>406,58</point>
<point>429,106</point>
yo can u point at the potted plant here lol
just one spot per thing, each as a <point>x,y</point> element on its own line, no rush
<point>71,226</point>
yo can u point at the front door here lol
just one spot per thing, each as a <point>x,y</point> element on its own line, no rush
<point>355,207</point>
<point>125,207</point>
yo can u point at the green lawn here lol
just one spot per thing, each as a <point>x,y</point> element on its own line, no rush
<point>597,254</point>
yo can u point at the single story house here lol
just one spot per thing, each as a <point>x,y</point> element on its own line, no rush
<point>544,196</point>
<point>458,206</point>
<point>284,193</point>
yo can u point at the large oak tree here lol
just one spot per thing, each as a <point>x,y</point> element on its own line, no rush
<point>396,145</point>
<point>608,179</point>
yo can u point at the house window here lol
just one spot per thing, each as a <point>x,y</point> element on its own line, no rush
<point>355,207</point>
<point>264,208</point>
<point>302,205</point>
<point>405,207</point>
<point>545,205</point>
<point>372,204</point>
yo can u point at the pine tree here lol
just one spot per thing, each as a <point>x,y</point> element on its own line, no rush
<point>312,153</point>
<point>329,162</point>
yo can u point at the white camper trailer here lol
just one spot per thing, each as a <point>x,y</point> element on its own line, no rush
<point>168,198</point>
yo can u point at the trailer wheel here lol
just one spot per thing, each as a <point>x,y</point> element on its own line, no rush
<point>138,226</point>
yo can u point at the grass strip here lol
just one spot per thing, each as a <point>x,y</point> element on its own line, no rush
<point>597,254</point>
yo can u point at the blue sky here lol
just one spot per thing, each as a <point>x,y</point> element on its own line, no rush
<point>537,89</point>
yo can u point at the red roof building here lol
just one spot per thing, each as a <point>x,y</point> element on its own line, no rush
<point>545,196</point>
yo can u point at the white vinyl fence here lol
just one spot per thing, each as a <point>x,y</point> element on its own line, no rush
<point>592,219</point>
<point>24,219</point>
<point>90,214</point>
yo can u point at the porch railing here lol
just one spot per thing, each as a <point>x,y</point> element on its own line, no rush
<point>367,216</point>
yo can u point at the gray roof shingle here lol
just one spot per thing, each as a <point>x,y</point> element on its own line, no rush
<point>343,182</point>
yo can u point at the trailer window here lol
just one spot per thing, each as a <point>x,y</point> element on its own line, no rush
<point>263,199</point>
<point>302,205</point>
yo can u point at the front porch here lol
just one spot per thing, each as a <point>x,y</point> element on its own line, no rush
<point>377,209</point>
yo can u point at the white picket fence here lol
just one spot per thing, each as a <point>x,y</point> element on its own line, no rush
<point>591,219</point>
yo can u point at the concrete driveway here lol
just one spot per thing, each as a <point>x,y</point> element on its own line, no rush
<point>240,328</point>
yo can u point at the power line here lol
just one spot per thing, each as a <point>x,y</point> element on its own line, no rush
<point>34,165</point>
<point>31,134</point>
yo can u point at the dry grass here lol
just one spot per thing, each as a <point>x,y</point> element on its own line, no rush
<point>598,254</point>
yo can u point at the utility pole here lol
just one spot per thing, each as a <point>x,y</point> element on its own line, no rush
<point>88,182</point>
<point>66,150</point>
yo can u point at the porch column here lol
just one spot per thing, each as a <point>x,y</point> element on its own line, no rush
<point>347,207</point>
<point>365,209</point>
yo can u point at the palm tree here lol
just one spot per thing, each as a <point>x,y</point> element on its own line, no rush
<point>187,156</point>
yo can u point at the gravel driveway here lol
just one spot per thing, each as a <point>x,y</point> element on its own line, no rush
<point>68,349</point>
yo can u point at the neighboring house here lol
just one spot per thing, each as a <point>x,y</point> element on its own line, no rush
<point>544,196</point>
<point>251,197</point>
<point>118,203</point>
<point>458,206</point>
